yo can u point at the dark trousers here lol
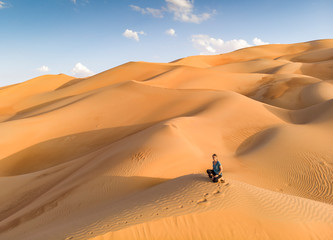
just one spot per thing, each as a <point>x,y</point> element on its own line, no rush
<point>212,174</point>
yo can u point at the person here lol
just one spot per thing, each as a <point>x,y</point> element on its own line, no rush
<point>216,172</point>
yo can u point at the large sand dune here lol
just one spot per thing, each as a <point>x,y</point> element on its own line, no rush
<point>123,154</point>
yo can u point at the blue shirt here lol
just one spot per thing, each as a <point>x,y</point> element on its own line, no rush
<point>216,167</point>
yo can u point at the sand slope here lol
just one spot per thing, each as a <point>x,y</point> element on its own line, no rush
<point>123,154</point>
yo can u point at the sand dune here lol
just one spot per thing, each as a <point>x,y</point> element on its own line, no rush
<point>122,154</point>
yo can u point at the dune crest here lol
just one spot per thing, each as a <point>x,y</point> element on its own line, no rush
<point>122,154</point>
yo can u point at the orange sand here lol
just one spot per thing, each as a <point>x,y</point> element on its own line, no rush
<point>123,154</point>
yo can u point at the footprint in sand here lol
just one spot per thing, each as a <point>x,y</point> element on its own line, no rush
<point>216,192</point>
<point>202,201</point>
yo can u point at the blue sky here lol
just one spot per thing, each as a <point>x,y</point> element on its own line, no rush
<point>84,37</point>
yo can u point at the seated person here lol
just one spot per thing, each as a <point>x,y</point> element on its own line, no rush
<point>216,172</point>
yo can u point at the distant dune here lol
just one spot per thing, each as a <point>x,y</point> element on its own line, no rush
<point>123,154</point>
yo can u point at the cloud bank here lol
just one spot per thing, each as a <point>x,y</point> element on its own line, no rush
<point>209,45</point>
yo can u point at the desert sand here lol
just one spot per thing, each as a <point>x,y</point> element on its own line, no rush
<point>123,154</point>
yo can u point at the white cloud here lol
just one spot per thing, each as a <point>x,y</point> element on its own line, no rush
<point>208,45</point>
<point>132,34</point>
<point>182,10</point>
<point>153,11</point>
<point>171,32</point>
<point>3,5</point>
<point>258,41</point>
<point>80,70</point>
<point>138,9</point>
<point>80,2</point>
<point>43,69</point>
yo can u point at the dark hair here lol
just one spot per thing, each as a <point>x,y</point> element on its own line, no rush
<point>214,155</point>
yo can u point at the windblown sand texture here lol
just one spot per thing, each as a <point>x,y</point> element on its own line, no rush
<point>123,154</point>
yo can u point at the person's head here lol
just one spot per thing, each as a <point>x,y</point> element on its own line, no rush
<point>214,156</point>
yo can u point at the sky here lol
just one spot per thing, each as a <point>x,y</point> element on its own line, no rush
<point>84,37</point>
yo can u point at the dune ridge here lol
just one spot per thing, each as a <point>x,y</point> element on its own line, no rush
<point>122,154</point>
